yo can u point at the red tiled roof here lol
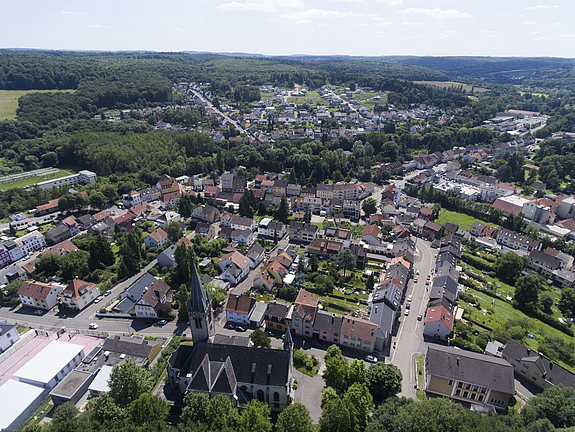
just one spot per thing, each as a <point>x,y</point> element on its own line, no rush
<point>159,235</point>
<point>36,290</point>
<point>373,230</point>
<point>440,313</point>
<point>240,304</point>
<point>78,288</point>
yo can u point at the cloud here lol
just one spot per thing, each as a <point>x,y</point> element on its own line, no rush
<point>407,23</point>
<point>535,32</point>
<point>318,13</point>
<point>304,21</point>
<point>541,7</point>
<point>363,24</point>
<point>568,36</point>
<point>390,2</point>
<point>260,5</point>
<point>345,1</point>
<point>541,39</point>
<point>179,29</point>
<point>385,24</point>
<point>529,22</point>
<point>437,14</point>
<point>67,12</point>
<point>94,26</point>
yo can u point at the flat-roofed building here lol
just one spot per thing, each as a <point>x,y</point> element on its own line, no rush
<point>18,400</point>
<point>71,388</point>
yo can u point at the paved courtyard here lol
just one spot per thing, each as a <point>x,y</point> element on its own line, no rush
<point>309,392</point>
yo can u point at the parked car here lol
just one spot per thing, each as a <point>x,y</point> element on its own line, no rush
<point>93,326</point>
<point>406,313</point>
<point>162,322</point>
<point>107,293</point>
<point>409,297</point>
<point>371,359</point>
<point>417,272</point>
<point>240,329</point>
<point>98,299</point>
<point>415,279</point>
<point>408,306</point>
<point>39,312</point>
<point>427,282</point>
<point>419,317</point>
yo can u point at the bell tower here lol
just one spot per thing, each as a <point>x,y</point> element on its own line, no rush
<point>200,311</point>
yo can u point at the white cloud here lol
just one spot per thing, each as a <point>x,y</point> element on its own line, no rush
<point>67,12</point>
<point>558,24</point>
<point>94,26</point>
<point>437,14</point>
<point>407,23</point>
<point>568,36</point>
<point>363,24</point>
<point>529,22</point>
<point>345,1</point>
<point>541,7</point>
<point>304,21</point>
<point>179,29</point>
<point>260,5</point>
<point>390,2</point>
<point>318,13</point>
<point>535,32</point>
<point>541,39</point>
<point>385,24</point>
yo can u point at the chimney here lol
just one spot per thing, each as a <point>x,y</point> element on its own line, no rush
<point>528,351</point>
<point>457,361</point>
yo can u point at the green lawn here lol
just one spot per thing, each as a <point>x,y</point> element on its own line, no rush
<point>501,312</point>
<point>464,221</point>
<point>301,100</point>
<point>9,101</point>
<point>34,180</point>
<point>420,394</point>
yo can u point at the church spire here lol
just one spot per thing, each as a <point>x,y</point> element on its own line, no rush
<point>288,341</point>
<point>199,300</point>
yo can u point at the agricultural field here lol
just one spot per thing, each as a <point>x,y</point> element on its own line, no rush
<point>464,221</point>
<point>9,101</point>
<point>452,84</point>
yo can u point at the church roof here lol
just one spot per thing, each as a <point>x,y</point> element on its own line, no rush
<point>199,300</point>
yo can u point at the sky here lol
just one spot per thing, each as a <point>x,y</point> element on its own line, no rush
<point>282,27</point>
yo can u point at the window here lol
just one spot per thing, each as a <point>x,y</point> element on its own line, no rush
<point>450,382</point>
<point>457,392</point>
<point>276,397</point>
<point>466,394</point>
<point>483,390</point>
<point>480,398</point>
<point>475,388</point>
<point>260,395</point>
<point>468,386</point>
<point>460,384</point>
<point>473,396</point>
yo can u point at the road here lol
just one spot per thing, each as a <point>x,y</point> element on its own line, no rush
<point>210,105</point>
<point>410,336</point>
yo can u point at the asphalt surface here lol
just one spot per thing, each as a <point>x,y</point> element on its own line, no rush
<point>410,335</point>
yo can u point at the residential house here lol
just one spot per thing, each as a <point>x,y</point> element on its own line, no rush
<point>358,333</point>
<point>425,213</point>
<point>535,368</point>
<point>168,185</point>
<point>384,305</point>
<point>327,327</point>
<point>271,229</point>
<point>469,377</point>
<point>8,335</point>
<point>303,232</point>
<point>227,182</point>
<point>324,248</point>
<point>169,216</point>
<point>239,183</point>
<point>372,235</point>
<point>432,230</point>
<point>352,209</point>
<point>205,230</point>
<point>155,301</point>
<point>304,312</point>
<point>477,229</point>
<point>57,235</point>
<point>244,237</point>
<point>206,213</point>
<point>40,295</point>
<point>239,308</point>
<point>274,317</point>
<point>166,257</point>
<point>543,263</point>
<point>256,255</point>
<point>234,267</point>
<point>450,228</point>
<point>22,246</point>
<point>439,322</point>
<point>158,238</point>
<point>339,235</point>
<point>79,294</point>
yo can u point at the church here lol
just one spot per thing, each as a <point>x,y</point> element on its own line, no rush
<point>221,365</point>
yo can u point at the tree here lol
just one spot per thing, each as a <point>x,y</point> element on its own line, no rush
<point>383,380</point>
<point>357,372</point>
<point>74,264</point>
<point>328,395</point>
<point>358,397</point>
<point>221,414</point>
<point>283,210</point>
<point>186,205</point>
<point>130,250</point>
<point>557,404</point>
<point>336,416</point>
<point>295,418</point>
<point>255,417</point>
<point>174,231</point>
<point>313,263</point>
<point>547,301</point>
<point>66,202</point>
<point>183,296</point>
<point>97,200</point>
<point>567,301</point>
<point>431,415</point>
<point>104,410</point>
<point>336,370</point>
<point>260,339</point>
<point>50,159</point>
<point>64,418</point>
<point>369,206</point>
<point>346,260</point>
<point>527,290</point>
<point>248,204</point>
<point>509,267</point>
<point>128,382</point>
<point>385,416</point>
<point>148,409</point>
<point>183,256</point>
<point>217,294</point>
<point>370,282</point>
<point>325,284</point>
<point>101,253</point>
<point>195,408</point>
<point>108,191</point>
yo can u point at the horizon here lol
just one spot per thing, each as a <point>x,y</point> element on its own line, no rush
<point>358,28</point>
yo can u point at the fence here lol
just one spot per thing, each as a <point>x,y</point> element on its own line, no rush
<point>29,335</point>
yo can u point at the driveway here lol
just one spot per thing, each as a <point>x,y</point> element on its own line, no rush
<point>309,392</point>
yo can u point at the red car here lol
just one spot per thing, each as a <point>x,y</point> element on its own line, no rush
<point>427,282</point>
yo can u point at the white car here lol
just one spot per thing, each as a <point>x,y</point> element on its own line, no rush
<point>93,326</point>
<point>371,359</point>
<point>417,272</point>
<point>98,299</point>
<point>409,297</point>
<point>406,313</point>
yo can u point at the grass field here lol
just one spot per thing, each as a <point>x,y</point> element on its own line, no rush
<point>450,84</point>
<point>300,100</point>
<point>34,180</point>
<point>501,312</point>
<point>464,221</point>
<point>9,101</point>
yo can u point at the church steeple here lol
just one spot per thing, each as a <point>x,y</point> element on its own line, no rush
<point>200,309</point>
<point>288,341</point>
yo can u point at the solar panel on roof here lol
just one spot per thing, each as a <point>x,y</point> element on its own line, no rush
<point>91,355</point>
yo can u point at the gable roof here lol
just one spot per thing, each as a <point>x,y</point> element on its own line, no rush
<point>158,235</point>
<point>440,314</point>
<point>240,304</point>
<point>236,258</point>
<point>35,290</point>
<point>467,366</point>
<point>77,288</point>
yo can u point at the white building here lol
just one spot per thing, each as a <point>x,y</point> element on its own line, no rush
<point>18,401</point>
<point>22,246</point>
<point>51,365</point>
<point>8,335</point>
<point>83,177</point>
<point>40,295</point>
<point>156,239</point>
<point>79,294</point>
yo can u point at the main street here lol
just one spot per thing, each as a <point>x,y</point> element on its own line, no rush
<point>410,335</point>
<point>211,105</point>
